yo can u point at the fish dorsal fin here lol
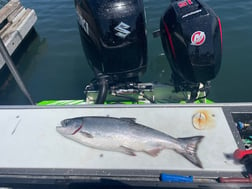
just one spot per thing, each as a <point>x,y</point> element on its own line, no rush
<point>129,119</point>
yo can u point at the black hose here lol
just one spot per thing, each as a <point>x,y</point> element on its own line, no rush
<point>193,96</point>
<point>102,89</point>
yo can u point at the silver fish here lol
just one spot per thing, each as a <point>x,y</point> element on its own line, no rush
<point>126,136</point>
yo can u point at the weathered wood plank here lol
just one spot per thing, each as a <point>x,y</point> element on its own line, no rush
<point>19,22</point>
<point>8,9</point>
<point>17,32</point>
<point>15,13</point>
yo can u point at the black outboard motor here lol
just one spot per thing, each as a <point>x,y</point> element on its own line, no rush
<point>192,40</point>
<point>113,37</point>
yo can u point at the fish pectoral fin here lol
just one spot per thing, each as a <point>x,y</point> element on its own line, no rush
<point>86,134</point>
<point>153,152</point>
<point>127,150</point>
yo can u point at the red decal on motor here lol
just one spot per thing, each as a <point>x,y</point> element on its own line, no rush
<point>170,39</point>
<point>184,3</point>
<point>198,38</point>
<point>220,30</point>
<point>189,2</point>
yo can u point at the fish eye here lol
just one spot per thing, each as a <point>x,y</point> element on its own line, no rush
<point>68,121</point>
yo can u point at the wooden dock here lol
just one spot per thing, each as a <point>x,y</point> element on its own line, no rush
<point>15,23</point>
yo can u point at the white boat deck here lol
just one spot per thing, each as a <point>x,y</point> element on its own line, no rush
<point>29,139</point>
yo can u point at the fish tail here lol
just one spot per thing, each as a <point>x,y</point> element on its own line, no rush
<point>189,151</point>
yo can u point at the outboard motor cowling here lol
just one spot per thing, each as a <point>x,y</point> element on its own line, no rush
<point>192,40</point>
<point>113,37</point>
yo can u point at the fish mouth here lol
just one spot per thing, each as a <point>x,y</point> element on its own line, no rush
<point>61,130</point>
<point>65,129</point>
<point>62,123</point>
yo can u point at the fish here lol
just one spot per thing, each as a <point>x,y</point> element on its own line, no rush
<point>127,136</point>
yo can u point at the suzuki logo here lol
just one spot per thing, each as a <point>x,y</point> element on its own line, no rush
<point>122,29</point>
<point>198,38</point>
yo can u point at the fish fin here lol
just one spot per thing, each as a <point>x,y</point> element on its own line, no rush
<point>86,134</point>
<point>129,119</point>
<point>153,152</point>
<point>190,146</point>
<point>127,150</point>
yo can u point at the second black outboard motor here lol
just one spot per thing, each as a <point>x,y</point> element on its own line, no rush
<point>192,40</point>
<point>113,37</point>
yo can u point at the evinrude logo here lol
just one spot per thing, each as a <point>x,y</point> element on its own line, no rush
<point>198,38</point>
<point>122,29</point>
